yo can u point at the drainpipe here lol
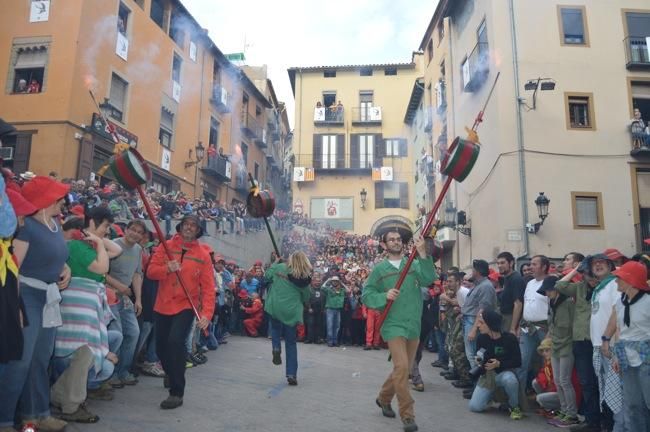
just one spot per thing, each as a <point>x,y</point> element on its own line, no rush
<point>520,133</point>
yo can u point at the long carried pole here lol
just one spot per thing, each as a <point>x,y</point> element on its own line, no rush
<point>266,221</point>
<point>434,210</point>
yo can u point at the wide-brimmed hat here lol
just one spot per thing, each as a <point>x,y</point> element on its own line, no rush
<point>615,254</point>
<point>43,191</point>
<point>635,274</point>
<point>27,175</point>
<point>21,206</point>
<point>545,344</point>
<point>547,285</point>
<point>192,218</point>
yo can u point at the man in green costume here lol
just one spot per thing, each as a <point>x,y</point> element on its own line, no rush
<point>401,329</point>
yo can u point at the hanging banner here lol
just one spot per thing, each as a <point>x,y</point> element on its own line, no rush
<point>166,159</point>
<point>39,11</point>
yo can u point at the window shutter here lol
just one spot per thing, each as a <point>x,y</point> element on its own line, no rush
<point>403,147</point>
<point>317,152</point>
<point>118,93</point>
<point>340,151</point>
<point>85,159</point>
<point>404,195</point>
<point>380,151</point>
<point>31,57</point>
<point>354,151</point>
<point>21,152</point>
<point>379,195</point>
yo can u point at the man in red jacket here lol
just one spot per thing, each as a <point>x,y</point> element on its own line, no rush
<point>255,315</point>
<point>173,311</point>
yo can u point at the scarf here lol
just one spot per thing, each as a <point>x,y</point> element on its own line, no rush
<point>603,283</point>
<point>6,261</point>
<point>627,303</point>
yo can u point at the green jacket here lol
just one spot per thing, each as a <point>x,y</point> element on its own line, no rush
<point>560,322</point>
<point>333,299</point>
<point>404,318</point>
<point>582,313</point>
<point>285,301</point>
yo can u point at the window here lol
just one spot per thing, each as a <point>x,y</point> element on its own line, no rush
<point>366,151</point>
<point>177,28</point>
<point>587,210</point>
<point>329,99</point>
<point>390,71</point>
<point>157,13</point>
<point>441,31</point>
<point>140,3</point>
<point>365,72</point>
<point>391,195</point>
<point>216,73</point>
<point>123,19</point>
<point>580,111</point>
<point>257,170</point>
<point>176,68</point>
<point>117,99</point>
<point>573,25</point>
<point>395,147</point>
<point>193,49</point>
<point>430,50</point>
<point>166,133</point>
<point>329,74</point>
<point>465,73</point>
<point>244,152</point>
<point>30,63</point>
<point>365,105</point>
<point>328,151</point>
<point>214,133</point>
<point>258,111</point>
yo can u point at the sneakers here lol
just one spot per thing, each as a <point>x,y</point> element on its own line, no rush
<point>116,383</point>
<point>277,357</point>
<point>82,415</point>
<point>129,380</point>
<point>153,369</point>
<point>171,402</point>
<point>188,364</point>
<point>568,422</point>
<point>47,424</point>
<point>516,414</point>
<point>409,425</point>
<point>386,409</point>
<point>100,394</point>
<point>463,384</point>
<point>439,364</point>
<point>197,358</point>
<point>418,387</point>
<point>292,380</point>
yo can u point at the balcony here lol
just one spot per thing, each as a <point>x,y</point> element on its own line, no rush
<point>328,116</point>
<point>261,137</point>
<point>353,164</point>
<point>637,52</point>
<point>218,167</point>
<point>220,99</point>
<point>248,125</point>
<point>476,68</point>
<point>428,119</point>
<point>640,142</point>
<point>366,116</point>
<point>441,97</point>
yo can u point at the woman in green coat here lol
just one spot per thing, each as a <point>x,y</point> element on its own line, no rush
<point>285,303</point>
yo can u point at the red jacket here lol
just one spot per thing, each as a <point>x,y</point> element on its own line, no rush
<point>196,273</point>
<point>256,311</point>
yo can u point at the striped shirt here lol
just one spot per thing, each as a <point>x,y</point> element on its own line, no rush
<point>85,315</point>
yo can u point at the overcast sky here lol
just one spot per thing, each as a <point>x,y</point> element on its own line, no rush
<point>285,33</point>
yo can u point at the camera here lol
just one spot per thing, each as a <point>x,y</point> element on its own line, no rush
<point>479,369</point>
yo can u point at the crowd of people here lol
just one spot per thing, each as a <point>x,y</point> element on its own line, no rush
<point>100,303</point>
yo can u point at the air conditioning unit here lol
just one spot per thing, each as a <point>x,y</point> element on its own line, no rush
<point>7,153</point>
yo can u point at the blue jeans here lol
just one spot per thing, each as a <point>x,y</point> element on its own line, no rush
<point>482,396</point>
<point>528,344</point>
<point>279,329</point>
<point>95,378</point>
<point>583,352</point>
<point>470,346</point>
<point>333,317</point>
<point>636,394</point>
<point>127,323</point>
<point>27,379</point>
<point>443,355</point>
<point>148,329</point>
<point>168,224</point>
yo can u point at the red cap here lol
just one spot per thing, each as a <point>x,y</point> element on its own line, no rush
<point>493,275</point>
<point>78,210</point>
<point>258,263</point>
<point>614,254</point>
<point>634,273</point>
<point>44,191</point>
<point>21,206</point>
<point>243,293</point>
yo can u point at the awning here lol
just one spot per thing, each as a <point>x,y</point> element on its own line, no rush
<point>30,57</point>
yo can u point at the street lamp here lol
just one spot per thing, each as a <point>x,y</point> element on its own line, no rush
<point>364,197</point>
<point>450,215</point>
<point>543,84</point>
<point>542,203</point>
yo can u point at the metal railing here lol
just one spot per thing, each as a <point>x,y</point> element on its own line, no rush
<point>249,124</point>
<point>329,116</point>
<point>334,161</point>
<point>478,67</point>
<point>637,51</point>
<point>366,114</point>
<point>219,167</point>
<point>220,98</point>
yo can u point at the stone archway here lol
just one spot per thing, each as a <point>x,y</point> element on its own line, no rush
<point>402,224</point>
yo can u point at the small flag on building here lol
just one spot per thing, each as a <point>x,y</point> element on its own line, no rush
<point>376,174</point>
<point>382,174</point>
<point>302,174</point>
<point>309,174</point>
